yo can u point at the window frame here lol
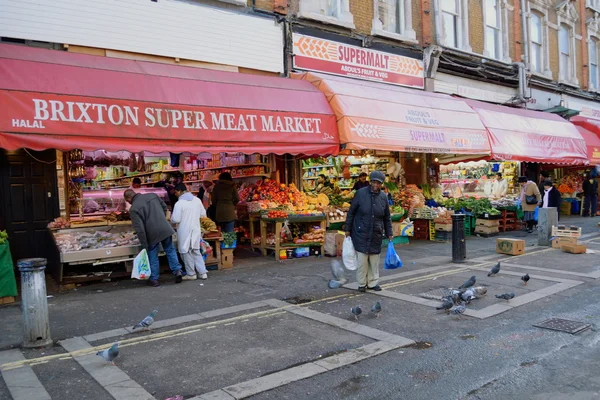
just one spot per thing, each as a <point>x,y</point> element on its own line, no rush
<point>313,10</point>
<point>593,39</point>
<point>541,8</point>
<point>462,25</point>
<point>568,18</point>
<point>501,52</point>
<point>407,33</point>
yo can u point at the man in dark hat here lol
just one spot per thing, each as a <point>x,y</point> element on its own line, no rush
<point>367,221</point>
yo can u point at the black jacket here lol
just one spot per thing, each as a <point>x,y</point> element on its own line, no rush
<point>554,198</point>
<point>590,189</point>
<point>368,220</point>
<point>148,219</point>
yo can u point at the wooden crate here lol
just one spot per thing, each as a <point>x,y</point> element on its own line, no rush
<point>561,231</point>
<point>7,300</point>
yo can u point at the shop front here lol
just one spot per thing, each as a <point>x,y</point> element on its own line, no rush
<point>104,125</point>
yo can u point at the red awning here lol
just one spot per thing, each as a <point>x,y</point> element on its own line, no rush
<point>591,138</point>
<point>55,99</point>
<point>523,135</point>
<point>373,115</point>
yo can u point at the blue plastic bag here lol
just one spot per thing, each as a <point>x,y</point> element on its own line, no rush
<point>392,260</point>
<point>536,213</point>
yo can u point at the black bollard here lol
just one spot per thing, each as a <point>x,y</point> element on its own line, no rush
<point>459,246</point>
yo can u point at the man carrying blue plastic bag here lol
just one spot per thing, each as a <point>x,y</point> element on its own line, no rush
<point>366,222</point>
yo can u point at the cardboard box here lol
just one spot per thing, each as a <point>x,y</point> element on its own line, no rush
<point>408,229</point>
<point>512,247</point>
<point>574,248</point>
<point>226,258</point>
<point>558,242</point>
<point>487,222</point>
<point>339,243</point>
<point>486,229</point>
<point>443,227</point>
<point>397,228</point>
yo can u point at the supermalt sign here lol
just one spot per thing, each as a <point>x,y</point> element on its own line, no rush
<point>323,55</point>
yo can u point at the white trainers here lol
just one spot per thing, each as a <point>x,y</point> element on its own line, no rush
<point>190,278</point>
<point>204,276</point>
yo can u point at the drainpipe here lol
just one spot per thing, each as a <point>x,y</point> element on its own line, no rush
<point>521,95</point>
<point>525,33</point>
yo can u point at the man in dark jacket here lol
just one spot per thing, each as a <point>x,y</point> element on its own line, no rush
<point>551,197</point>
<point>367,221</point>
<point>590,196</point>
<point>148,217</point>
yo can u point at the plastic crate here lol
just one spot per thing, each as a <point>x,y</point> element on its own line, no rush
<point>398,241</point>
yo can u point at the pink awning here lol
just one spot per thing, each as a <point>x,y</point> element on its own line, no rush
<point>531,136</point>
<point>55,99</point>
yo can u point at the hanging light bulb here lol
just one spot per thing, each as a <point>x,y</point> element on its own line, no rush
<point>436,159</point>
<point>416,160</point>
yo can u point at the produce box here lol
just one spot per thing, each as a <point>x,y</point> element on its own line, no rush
<point>407,229</point>
<point>565,208</point>
<point>396,217</point>
<point>397,229</point>
<point>226,258</point>
<point>574,248</point>
<point>283,255</point>
<point>486,230</point>
<point>443,221</point>
<point>301,252</point>
<point>562,231</point>
<point>339,243</point>
<point>443,227</point>
<point>487,222</point>
<point>443,236</point>
<point>558,242</point>
<point>511,247</point>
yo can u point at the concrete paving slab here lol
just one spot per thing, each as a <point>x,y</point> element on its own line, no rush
<point>106,335</point>
<point>216,395</point>
<point>232,309</point>
<point>22,383</point>
<point>356,355</point>
<point>491,311</point>
<point>110,377</point>
<point>255,386</point>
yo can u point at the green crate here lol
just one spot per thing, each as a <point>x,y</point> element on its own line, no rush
<point>398,240</point>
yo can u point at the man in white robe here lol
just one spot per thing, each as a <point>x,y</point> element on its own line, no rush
<point>187,213</point>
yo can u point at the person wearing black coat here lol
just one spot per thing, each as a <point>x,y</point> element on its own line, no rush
<point>551,196</point>
<point>590,196</point>
<point>366,223</point>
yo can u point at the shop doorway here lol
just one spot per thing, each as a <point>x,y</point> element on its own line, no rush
<point>29,201</point>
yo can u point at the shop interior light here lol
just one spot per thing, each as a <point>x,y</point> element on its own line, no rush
<point>436,159</point>
<point>416,160</point>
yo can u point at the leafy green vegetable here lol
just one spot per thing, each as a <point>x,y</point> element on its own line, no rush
<point>229,238</point>
<point>476,206</point>
<point>3,237</point>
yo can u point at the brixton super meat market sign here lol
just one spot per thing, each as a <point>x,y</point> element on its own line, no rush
<point>323,55</point>
<point>74,115</point>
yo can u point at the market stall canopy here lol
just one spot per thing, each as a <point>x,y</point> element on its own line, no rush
<point>592,142</point>
<point>530,136</point>
<point>57,100</point>
<point>378,116</point>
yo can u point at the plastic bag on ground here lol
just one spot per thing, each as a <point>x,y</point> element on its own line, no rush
<point>392,260</point>
<point>349,255</point>
<point>141,266</point>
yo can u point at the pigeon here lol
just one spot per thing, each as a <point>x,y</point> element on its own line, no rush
<point>447,304</point>
<point>525,278</point>
<point>146,322</point>
<point>337,270</point>
<point>356,311</point>
<point>479,291</point>
<point>333,284</point>
<point>495,269</point>
<point>468,283</point>
<point>376,308</point>
<point>459,309</point>
<point>468,295</point>
<point>454,296</point>
<point>505,296</point>
<point>109,354</point>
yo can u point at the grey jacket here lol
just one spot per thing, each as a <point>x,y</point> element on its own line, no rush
<point>148,213</point>
<point>368,220</point>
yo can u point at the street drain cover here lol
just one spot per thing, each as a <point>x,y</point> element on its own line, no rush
<point>436,294</point>
<point>563,325</point>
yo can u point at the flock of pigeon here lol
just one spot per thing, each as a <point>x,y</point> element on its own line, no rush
<point>456,302</point>
<point>113,351</point>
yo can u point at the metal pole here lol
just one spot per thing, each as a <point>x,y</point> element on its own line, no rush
<point>34,304</point>
<point>459,248</point>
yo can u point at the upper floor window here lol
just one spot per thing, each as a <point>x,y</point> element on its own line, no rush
<point>450,22</point>
<point>335,12</point>
<point>493,23</point>
<point>537,43</point>
<point>594,64</point>
<point>564,49</point>
<point>595,4</point>
<point>393,18</point>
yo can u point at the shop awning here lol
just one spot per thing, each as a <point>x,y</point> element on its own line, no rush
<point>377,116</point>
<point>55,99</point>
<point>587,128</point>
<point>530,136</point>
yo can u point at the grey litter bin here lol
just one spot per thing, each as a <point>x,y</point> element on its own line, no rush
<point>34,304</point>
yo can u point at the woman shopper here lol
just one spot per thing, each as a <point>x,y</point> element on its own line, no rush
<point>530,197</point>
<point>225,197</point>
<point>551,197</point>
<point>187,213</point>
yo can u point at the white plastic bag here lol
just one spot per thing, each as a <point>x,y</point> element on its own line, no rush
<point>141,266</point>
<point>349,255</point>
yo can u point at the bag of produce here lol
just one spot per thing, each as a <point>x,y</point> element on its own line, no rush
<point>392,260</point>
<point>349,255</point>
<point>141,266</point>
